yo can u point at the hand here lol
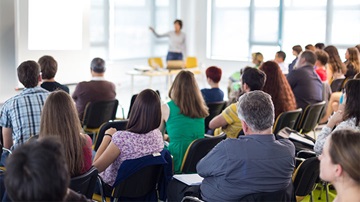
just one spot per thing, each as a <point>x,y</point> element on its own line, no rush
<point>341,107</point>
<point>110,131</point>
<point>335,119</point>
<point>151,28</point>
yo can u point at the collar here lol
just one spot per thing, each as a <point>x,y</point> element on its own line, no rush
<point>98,78</point>
<point>33,90</point>
<point>266,138</point>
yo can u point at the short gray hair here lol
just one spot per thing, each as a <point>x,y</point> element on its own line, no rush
<point>257,110</point>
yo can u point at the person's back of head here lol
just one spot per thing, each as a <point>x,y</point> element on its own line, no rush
<point>256,110</point>
<point>48,66</point>
<point>297,49</point>
<point>253,78</point>
<point>37,171</point>
<point>322,57</point>
<point>334,59</point>
<point>214,73</point>
<point>280,56</point>
<point>98,65</point>
<point>257,58</point>
<point>320,46</point>
<point>352,101</point>
<point>310,47</point>
<point>28,73</point>
<point>307,58</point>
<point>145,115</point>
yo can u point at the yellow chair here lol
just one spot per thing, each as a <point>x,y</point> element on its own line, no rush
<point>155,62</point>
<point>191,62</point>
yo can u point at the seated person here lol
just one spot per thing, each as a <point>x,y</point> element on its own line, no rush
<point>214,94</point>
<point>49,66</point>
<point>280,59</point>
<point>252,79</point>
<point>37,171</point>
<point>184,116</point>
<point>253,163</point>
<point>142,137</point>
<point>339,164</point>
<point>320,64</point>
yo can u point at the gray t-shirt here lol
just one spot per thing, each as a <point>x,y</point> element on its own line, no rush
<point>177,42</point>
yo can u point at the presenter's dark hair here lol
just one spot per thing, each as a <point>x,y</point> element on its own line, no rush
<point>145,115</point>
<point>28,73</point>
<point>179,22</point>
<point>48,66</point>
<point>254,78</point>
<point>37,171</point>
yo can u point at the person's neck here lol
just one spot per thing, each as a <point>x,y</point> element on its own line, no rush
<point>49,80</point>
<point>347,191</point>
<point>97,74</point>
<point>177,31</point>
<point>321,66</point>
<point>264,132</point>
<point>214,85</point>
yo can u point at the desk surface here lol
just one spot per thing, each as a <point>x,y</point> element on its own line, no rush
<point>164,72</point>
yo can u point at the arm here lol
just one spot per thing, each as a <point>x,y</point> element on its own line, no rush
<point>158,35</point>
<point>214,162</point>
<point>218,121</point>
<point>165,112</point>
<point>7,137</point>
<point>105,143</point>
<point>184,48</point>
<point>291,79</point>
<point>75,95</point>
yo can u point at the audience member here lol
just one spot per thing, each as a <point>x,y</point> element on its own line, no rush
<point>278,88</point>
<point>358,47</point>
<point>98,89</point>
<point>257,59</point>
<point>214,94</point>
<point>59,118</point>
<point>280,58</point>
<point>142,137</point>
<point>252,79</point>
<point>37,171</point>
<point>184,116</point>
<point>20,115</point>
<point>352,63</point>
<point>319,46</point>
<point>310,47</point>
<point>253,163</point>
<point>296,50</point>
<point>348,115</point>
<point>304,81</point>
<point>335,68</point>
<point>48,66</point>
<point>339,164</point>
<point>320,65</point>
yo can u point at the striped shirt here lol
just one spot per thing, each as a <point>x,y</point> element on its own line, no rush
<point>22,113</point>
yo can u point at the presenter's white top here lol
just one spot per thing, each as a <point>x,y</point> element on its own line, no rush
<point>177,42</point>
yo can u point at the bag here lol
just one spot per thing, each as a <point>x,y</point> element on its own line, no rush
<point>301,141</point>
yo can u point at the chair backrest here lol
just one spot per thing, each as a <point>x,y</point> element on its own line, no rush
<point>305,176</point>
<point>118,124</point>
<point>310,117</point>
<point>85,183</point>
<point>214,110</point>
<point>97,113</point>
<point>197,150</point>
<point>133,98</point>
<point>284,195</point>
<point>287,119</point>
<point>155,62</point>
<point>191,62</point>
<point>336,85</point>
<point>140,183</point>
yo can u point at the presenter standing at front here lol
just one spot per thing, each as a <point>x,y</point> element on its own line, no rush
<point>177,41</point>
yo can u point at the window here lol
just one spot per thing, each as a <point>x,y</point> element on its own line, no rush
<point>120,29</point>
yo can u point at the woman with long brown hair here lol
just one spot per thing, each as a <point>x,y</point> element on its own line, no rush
<point>184,116</point>
<point>352,63</point>
<point>278,87</point>
<point>59,118</point>
<point>335,67</point>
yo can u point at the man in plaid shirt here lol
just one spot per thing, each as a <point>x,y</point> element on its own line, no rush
<point>20,115</point>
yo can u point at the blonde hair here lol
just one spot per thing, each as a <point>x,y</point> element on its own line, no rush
<point>59,118</point>
<point>187,96</point>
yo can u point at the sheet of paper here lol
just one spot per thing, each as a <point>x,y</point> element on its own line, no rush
<point>301,139</point>
<point>189,179</point>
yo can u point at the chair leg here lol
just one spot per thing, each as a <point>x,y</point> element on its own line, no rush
<point>327,191</point>
<point>311,197</point>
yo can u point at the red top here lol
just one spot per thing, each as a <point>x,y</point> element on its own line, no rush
<point>321,72</point>
<point>87,155</point>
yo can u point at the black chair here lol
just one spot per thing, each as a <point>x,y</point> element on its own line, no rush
<point>85,183</point>
<point>336,85</point>
<point>119,125</point>
<point>197,150</point>
<point>214,110</point>
<point>305,177</point>
<point>310,118</point>
<point>97,113</point>
<point>285,195</point>
<point>133,98</point>
<point>287,119</point>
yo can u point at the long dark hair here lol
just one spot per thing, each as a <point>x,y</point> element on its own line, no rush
<point>352,109</point>
<point>145,115</point>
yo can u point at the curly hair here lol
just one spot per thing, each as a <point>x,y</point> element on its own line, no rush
<point>278,87</point>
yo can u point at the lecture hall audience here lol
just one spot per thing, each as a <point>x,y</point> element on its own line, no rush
<point>213,94</point>
<point>320,65</point>
<point>184,116</point>
<point>49,67</point>
<point>59,118</point>
<point>296,50</point>
<point>20,115</point>
<point>280,57</point>
<point>278,88</point>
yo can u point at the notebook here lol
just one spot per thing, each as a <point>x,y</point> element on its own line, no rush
<point>189,179</point>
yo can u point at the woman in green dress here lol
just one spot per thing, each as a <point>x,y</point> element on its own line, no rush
<point>184,116</point>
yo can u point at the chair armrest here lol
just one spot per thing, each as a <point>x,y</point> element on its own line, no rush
<point>191,198</point>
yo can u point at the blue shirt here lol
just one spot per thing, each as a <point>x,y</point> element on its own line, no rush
<point>22,113</point>
<point>248,164</point>
<point>212,95</point>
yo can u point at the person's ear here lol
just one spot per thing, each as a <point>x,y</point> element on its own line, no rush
<point>39,78</point>
<point>245,87</point>
<point>338,170</point>
<point>245,127</point>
